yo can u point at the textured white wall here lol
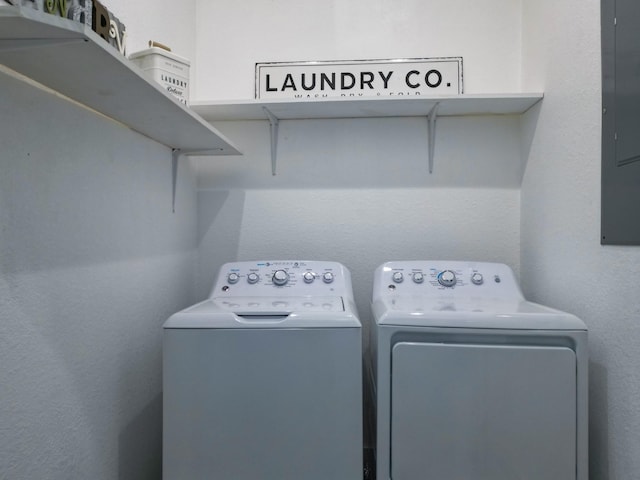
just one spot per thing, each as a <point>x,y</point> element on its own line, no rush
<point>329,225</point>
<point>563,263</point>
<point>359,191</point>
<point>165,21</point>
<point>232,36</point>
<point>92,261</point>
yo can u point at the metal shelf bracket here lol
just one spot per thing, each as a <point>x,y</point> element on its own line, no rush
<point>431,117</point>
<point>274,123</point>
<point>175,155</point>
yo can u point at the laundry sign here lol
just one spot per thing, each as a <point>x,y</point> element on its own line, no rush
<point>359,78</point>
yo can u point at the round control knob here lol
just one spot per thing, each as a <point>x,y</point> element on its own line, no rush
<point>253,278</point>
<point>418,277</point>
<point>308,277</point>
<point>280,277</point>
<point>477,279</point>
<point>397,277</point>
<point>447,278</point>
<point>327,277</point>
<point>233,278</point>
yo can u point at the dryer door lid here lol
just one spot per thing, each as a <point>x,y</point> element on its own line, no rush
<point>495,412</point>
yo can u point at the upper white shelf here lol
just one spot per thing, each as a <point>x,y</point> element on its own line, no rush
<point>70,58</point>
<point>490,104</point>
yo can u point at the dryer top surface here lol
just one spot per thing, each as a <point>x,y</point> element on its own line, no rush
<point>459,294</point>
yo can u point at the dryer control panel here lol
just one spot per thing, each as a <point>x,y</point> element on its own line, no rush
<point>437,278</point>
<point>282,278</point>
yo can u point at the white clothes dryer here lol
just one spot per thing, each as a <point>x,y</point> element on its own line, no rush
<point>264,379</point>
<point>473,381</point>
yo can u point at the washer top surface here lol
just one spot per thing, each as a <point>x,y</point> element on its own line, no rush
<point>275,294</point>
<point>460,295</point>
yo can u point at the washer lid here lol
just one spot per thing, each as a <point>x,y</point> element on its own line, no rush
<point>266,312</point>
<point>459,312</point>
<point>280,305</point>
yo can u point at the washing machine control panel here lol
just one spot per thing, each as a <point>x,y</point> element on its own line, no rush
<point>423,278</point>
<point>283,278</point>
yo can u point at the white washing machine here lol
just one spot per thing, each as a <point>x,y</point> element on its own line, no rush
<point>472,381</point>
<point>263,380</point>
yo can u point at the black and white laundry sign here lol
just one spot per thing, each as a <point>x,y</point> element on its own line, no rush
<point>359,78</point>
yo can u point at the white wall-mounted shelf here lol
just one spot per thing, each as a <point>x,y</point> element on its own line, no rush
<point>431,108</point>
<point>71,59</point>
<point>450,105</point>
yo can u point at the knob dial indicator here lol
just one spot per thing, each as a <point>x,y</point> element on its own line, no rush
<point>418,277</point>
<point>327,277</point>
<point>308,277</point>
<point>233,278</point>
<point>397,277</point>
<point>280,277</point>
<point>253,278</point>
<point>477,279</point>
<point>447,278</point>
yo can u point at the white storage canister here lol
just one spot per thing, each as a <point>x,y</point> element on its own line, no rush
<point>165,67</point>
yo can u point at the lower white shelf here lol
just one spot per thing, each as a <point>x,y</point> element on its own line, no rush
<point>451,105</point>
<point>431,108</point>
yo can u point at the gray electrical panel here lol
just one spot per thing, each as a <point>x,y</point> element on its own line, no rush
<point>620,222</point>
